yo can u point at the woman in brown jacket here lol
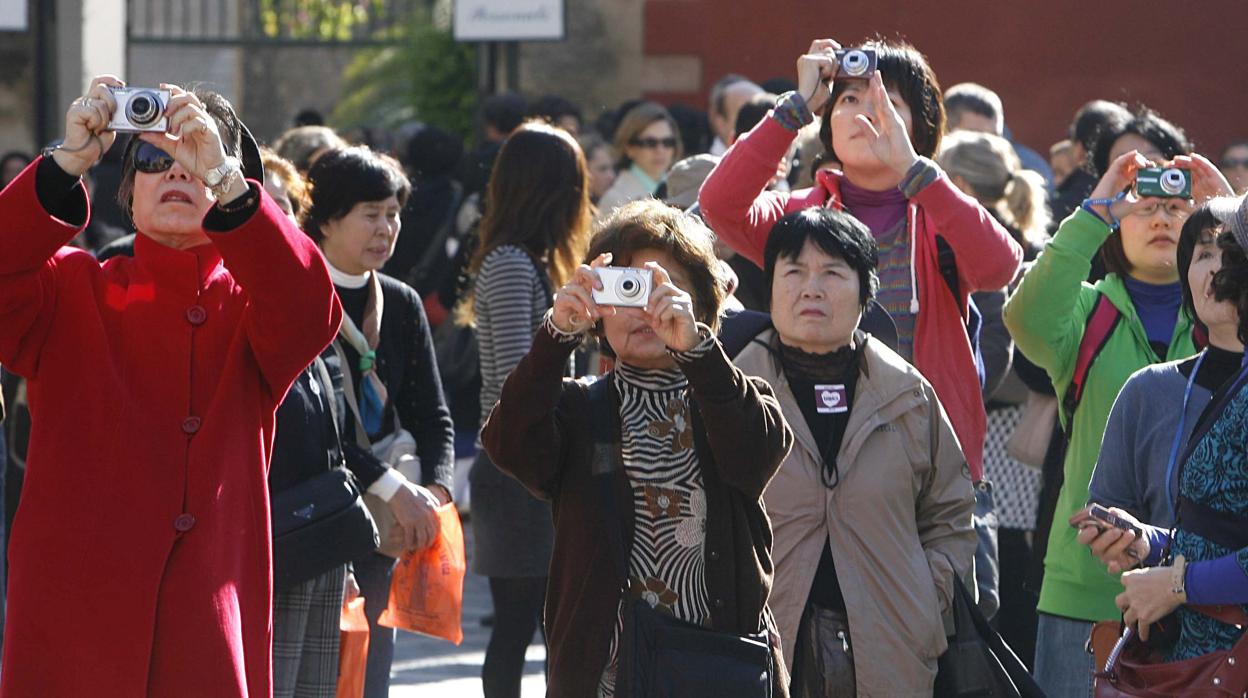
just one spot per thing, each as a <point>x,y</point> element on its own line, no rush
<point>693,442</point>
<point>872,508</point>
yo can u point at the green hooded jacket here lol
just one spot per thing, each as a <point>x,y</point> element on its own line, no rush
<point>1047,316</point>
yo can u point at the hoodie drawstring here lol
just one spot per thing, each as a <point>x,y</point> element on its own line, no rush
<point>912,214</point>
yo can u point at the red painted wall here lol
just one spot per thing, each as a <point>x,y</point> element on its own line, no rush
<point>1184,58</point>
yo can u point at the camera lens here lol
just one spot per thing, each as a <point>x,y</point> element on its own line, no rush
<point>855,62</point>
<point>628,287</point>
<point>1172,181</point>
<point>143,109</point>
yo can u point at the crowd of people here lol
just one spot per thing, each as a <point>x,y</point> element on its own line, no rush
<point>740,402</point>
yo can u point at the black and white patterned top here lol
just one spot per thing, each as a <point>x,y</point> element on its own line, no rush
<point>666,564</point>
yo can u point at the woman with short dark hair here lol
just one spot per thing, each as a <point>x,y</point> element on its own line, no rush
<point>396,408</point>
<point>872,508</point>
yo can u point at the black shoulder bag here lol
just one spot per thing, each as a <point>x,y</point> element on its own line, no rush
<point>978,663</point>
<point>661,656</point>
<point>322,522</point>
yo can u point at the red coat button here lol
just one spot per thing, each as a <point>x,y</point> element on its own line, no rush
<point>183,523</point>
<point>196,315</point>
<point>190,425</point>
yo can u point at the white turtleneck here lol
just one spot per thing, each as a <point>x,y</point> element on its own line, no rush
<point>345,280</point>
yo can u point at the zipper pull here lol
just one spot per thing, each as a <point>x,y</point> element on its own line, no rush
<point>844,641</point>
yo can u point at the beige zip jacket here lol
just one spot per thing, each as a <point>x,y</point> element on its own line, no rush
<point>899,522</point>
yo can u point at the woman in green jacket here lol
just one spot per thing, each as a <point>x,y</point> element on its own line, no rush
<point>1047,316</point>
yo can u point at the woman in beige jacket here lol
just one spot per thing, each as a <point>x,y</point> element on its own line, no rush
<point>871,511</point>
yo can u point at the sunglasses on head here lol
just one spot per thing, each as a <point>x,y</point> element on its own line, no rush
<point>150,159</point>
<point>654,143</point>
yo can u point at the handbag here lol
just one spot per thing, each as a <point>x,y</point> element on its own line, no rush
<point>1030,440</point>
<point>319,523</point>
<point>978,662</point>
<point>661,656</point>
<point>397,450</point>
<point>1134,669</point>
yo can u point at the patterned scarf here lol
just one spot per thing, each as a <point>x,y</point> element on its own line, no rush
<point>372,391</point>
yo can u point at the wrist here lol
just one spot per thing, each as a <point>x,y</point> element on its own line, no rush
<point>70,164</point>
<point>1178,579</point>
<point>905,162</point>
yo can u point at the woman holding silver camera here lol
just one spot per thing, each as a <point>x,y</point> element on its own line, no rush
<point>1138,305</point>
<point>140,558</point>
<point>655,472</point>
<point>535,229</point>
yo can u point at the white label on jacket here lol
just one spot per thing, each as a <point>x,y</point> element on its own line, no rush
<point>830,399</point>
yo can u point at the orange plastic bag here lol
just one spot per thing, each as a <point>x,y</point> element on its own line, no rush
<point>427,587</point>
<point>353,650</point>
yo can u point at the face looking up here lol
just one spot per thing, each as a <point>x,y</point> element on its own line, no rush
<point>815,300</point>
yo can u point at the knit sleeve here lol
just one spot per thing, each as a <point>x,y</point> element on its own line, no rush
<point>506,289</point>
<point>420,403</point>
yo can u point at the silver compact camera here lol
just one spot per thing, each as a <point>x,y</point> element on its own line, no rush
<point>139,110</point>
<point>623,286</point>
<point>855,62</point>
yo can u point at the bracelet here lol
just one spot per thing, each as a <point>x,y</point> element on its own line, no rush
<point>1113,222</point>
<point>1178,578</point>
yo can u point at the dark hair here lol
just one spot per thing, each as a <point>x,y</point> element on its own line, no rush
<point>778,85</point>
<point>1093,118</point>
<point>1231,281</point>
<point>836,233</point>
<point>753,112</point>
<point>228,124</point>
<point>11,156</point>
<point>695,130</point>
<point>342,178</point>
<point>539,201</point>
<point>902,67</point>
<point>976,99</point>
<point>553,107</point>
<point>504,111</point>
<point>1147,124</point>
<point>1200,222</point>
<point>309,117</point>
<point>652,224</point>
<point>432,152</point>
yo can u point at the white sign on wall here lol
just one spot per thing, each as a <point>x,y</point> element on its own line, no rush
<point>508,20</point>
<point>13,15</point>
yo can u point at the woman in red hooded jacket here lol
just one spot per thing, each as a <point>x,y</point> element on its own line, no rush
<point>882,127</point>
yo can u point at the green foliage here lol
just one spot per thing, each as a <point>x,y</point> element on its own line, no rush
<point>427,77</point>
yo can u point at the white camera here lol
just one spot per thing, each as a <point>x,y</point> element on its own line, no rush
<point>139,110</point>
<point>623,286</point>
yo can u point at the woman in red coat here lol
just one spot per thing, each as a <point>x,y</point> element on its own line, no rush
<point>140,555</point>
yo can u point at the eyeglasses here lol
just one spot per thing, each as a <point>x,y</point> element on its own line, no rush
<point>1175,208</point>
<point>652,143</point>
<point>1234,164</point>
<point>150,159</point>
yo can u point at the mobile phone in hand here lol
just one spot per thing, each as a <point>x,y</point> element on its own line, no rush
<point>1103,519</point>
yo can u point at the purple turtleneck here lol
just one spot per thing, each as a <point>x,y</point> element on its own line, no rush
<point>879,210</point>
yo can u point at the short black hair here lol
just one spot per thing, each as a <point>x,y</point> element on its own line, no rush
<point>902,67</point>
<point>753,112</point>
<point>432,152</point>
<point>554,107</point>
<point>342,178</point>
<point>1201,221</point>
<point>504,111</point>
<point>309,117</point>
<point>1093,118</point>
<point>695,130</point>
<point>837,233</point>
<point>1147,124</point>
<point>1231,281</point>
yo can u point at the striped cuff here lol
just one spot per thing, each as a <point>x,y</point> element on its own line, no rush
<point>703,346</point>
<point>560,336</point>
<point>922,173</point>
<point>791,112</point>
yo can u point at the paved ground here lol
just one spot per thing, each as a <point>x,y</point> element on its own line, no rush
<point>426,667</point>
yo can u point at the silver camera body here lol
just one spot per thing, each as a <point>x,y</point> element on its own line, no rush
<point>855,62</point>
<point>624,286</point>
<point>139,110</point>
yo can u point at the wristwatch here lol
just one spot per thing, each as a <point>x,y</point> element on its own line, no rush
<point>222,176</point>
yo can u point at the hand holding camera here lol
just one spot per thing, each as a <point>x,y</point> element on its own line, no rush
<point>195,143</point>
<point>669,312</point>
<point>815,70</point>
<point>1204,180</point>
<point>87,136</point>
<point>575,310</point>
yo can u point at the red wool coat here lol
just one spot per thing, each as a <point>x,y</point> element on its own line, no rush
<point>140,556</point>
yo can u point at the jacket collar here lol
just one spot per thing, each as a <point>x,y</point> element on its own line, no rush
<point>887,388</point>
<point>1116,291</point>
<point>182,271</point>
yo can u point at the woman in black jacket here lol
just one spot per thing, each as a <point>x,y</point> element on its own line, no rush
<point>395,405</point>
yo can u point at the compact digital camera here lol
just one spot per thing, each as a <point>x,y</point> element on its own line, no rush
<point>623,286</point>
<point>855,62</point>
<point>139,110</point>
<point>1172,183</point>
